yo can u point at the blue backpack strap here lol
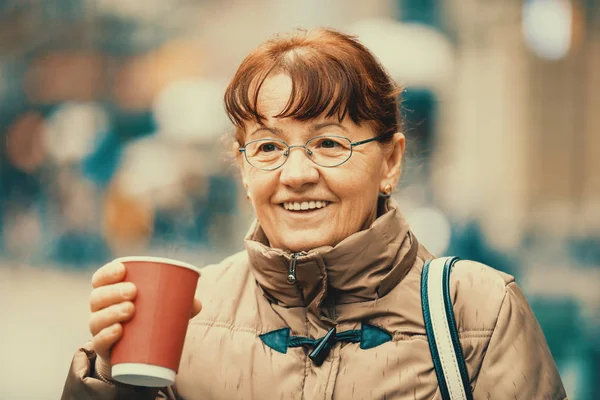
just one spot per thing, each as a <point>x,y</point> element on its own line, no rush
<point>442,334</point>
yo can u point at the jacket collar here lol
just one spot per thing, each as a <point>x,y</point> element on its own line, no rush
<point>362,267</point>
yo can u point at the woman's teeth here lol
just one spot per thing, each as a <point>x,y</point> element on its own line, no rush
<point>305,205</point>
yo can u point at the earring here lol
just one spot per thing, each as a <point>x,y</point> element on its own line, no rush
<point>387,190</point>
<point>248,196</point>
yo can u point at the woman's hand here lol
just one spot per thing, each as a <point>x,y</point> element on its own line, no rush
<point>111,303</point>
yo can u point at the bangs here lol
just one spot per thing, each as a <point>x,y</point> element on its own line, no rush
<point>332,79</point>
<point>319,88</point>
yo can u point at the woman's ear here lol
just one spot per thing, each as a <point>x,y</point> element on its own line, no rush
<point>393,159</point>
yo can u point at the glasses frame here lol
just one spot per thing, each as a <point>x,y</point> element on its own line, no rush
<point>308,152</point>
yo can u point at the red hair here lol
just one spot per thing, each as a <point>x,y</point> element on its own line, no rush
<point>332,74</point>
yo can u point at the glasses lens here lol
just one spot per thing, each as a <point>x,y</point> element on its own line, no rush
<point>329,151</point>
<point>266,153</point>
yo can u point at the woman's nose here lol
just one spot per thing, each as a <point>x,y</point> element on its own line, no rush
<point>298,170</point>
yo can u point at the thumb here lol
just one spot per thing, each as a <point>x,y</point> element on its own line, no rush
<point>196,308</point>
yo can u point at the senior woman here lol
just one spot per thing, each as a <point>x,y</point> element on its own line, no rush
<point>319,147</point>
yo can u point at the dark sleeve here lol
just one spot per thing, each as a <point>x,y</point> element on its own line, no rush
<point>84,384</point>
<point>518,363</point>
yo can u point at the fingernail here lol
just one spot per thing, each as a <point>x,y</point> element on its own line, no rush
<point>118,268</point>
<point>127,291</point>
<point>125,310</point>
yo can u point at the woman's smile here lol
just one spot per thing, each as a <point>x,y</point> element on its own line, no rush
<point>305,210</point>
<point>305,205</point>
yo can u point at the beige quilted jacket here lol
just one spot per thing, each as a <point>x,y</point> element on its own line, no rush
<point>258,327</point>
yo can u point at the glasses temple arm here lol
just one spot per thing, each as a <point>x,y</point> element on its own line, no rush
<point>380,137</point>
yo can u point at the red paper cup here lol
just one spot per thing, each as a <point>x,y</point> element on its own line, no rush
<point>149,351</point>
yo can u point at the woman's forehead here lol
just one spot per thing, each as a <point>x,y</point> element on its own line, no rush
<point>274,98</point>
<point>274,95</point>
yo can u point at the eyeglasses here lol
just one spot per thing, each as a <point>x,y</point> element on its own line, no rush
<point>326,151</point>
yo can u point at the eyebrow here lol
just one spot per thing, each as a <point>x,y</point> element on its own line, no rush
<point>319,126</point>
<point>275,131</point>
<point>314,128</point>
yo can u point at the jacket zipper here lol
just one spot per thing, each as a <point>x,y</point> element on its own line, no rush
<point>291,278</point>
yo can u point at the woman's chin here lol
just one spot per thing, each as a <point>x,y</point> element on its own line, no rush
<point>304,241</point>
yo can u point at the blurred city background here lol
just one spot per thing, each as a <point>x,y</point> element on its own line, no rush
<point>112,127</point>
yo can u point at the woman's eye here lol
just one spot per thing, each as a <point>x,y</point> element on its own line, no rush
<point>268,147</point>
<point>329,144</point>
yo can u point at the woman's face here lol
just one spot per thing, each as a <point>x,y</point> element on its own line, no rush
<point>347,193</point>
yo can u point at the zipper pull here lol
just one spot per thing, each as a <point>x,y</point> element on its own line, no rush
<point>291,278</point>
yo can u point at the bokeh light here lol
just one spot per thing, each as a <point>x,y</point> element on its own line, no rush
<point>548,27</point>
<point>72,130</point>
<point>191,111</point>
<point>128,220</point>
<point>141,78</point>
<point>416,55</point>
<point>25,148</point>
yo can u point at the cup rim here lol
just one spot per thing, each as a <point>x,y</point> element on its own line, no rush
<point>163,260</point>
<point>142,374</point>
